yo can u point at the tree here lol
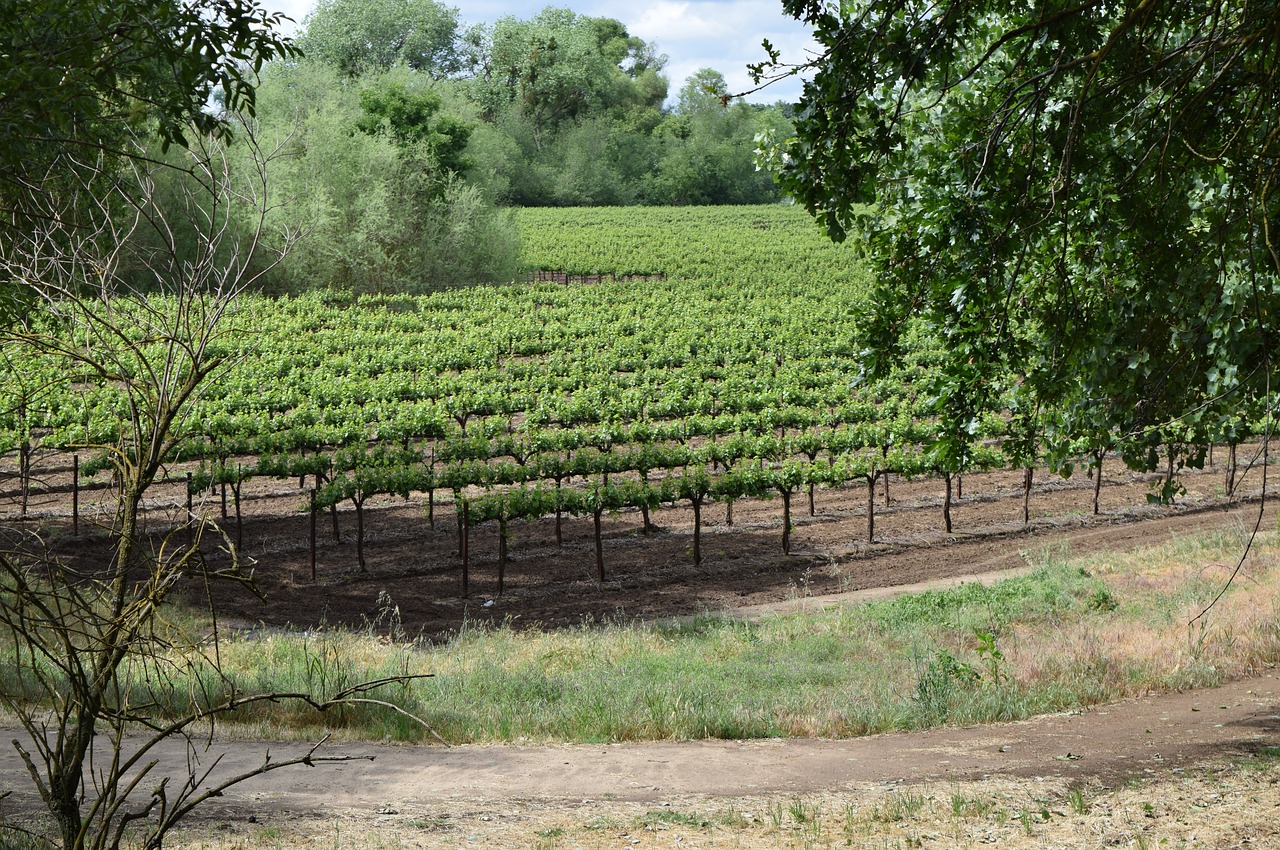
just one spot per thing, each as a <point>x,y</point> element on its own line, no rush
<point>708,147</point>
<point>1077,198</point>
<point>372,183</point>
<point>362,36</point>
<point>412,119</point>
<point>705,90</point>
<point>77,79</point>
<point>561,67</point>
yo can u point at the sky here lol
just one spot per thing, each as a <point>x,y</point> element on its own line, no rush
<point>720,34</point>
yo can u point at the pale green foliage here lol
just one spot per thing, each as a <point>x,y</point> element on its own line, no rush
<point>704,91</point>
<point>561,109</point>
<point>561,66</point>
<point>375,214</point>
<point>360,36</point>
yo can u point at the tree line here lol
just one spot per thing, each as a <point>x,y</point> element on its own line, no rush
<point>397,138</point>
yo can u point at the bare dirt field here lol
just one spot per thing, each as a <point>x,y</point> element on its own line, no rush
<point>414,562</point>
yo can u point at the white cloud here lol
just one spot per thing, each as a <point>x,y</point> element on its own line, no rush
<point>671,23</point>
<point>725,36</point>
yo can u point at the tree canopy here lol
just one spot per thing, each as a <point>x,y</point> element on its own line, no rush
<point>1079,195</point>
<point>560,66</point>
<point>359,36</point>
<point>76,77</point>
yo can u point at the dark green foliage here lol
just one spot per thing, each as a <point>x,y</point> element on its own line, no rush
<point>412,120</point>
<point>77,79</point>
<point>1074,195</point>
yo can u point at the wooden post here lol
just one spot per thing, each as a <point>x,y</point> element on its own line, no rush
<point>946,503</point>
<point>313,534</point>
<point>75,495</point>
<point>502,552</point>
<point>871,509</point>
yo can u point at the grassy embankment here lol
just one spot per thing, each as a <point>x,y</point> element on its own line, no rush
<point>1077,631</point>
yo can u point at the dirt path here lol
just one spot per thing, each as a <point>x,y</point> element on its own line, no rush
<point>1107,743</point>
<point>495,791</point>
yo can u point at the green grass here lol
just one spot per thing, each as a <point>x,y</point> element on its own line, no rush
<point>938,657</point>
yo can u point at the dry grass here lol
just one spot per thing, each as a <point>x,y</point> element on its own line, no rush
<point>1227,806</point>
<point>1160,633</point>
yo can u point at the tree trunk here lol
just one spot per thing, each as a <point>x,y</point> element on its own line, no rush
<point>75,495</point>
<point>559,515</point>
<point>359,502</point>
<point>502,552</point>
<point>644,507</point>
<point>697,532</point>
<point>24,474</point>
<point>1026,495</point>
<point>1097,478</point>
<point>1231,470</point>
<point>461,510</point>
<point>946,503</point>
<point>464,540</point>
<point>235,496</point>
<point>313,534</point>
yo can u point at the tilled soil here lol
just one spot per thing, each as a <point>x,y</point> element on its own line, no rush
<point>412,563</point>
